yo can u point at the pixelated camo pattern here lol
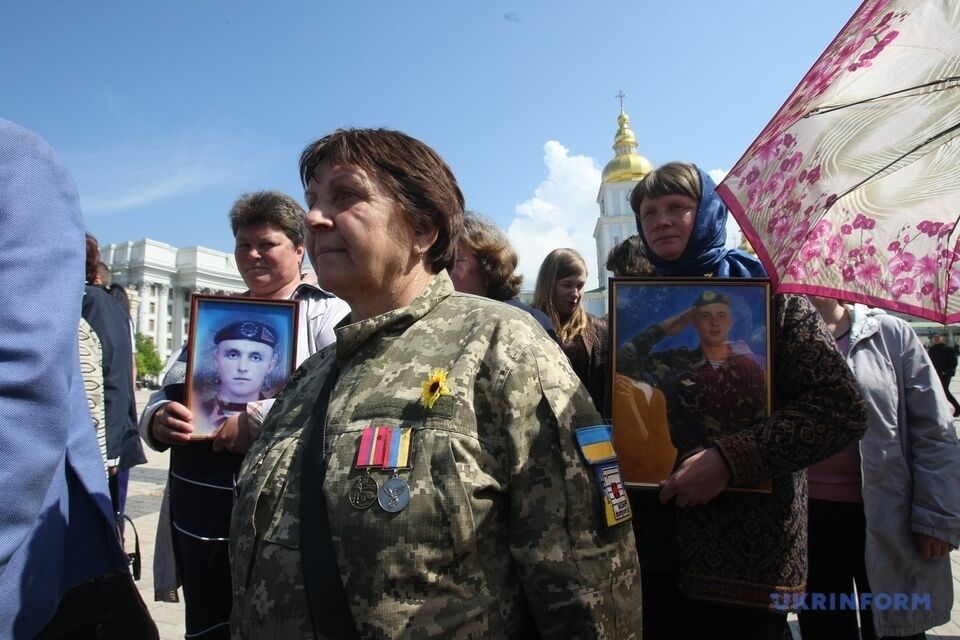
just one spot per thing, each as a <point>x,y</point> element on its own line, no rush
<point>504,525</point>
<point>703,402</point>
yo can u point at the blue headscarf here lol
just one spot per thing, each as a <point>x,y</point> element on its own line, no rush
<point>705,253</point>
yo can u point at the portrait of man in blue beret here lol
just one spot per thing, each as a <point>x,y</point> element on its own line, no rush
<point>245,353</point>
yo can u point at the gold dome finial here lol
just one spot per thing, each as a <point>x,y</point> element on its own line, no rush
<point>627,164</point>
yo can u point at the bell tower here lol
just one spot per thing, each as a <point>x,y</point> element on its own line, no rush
<point>620,176</point>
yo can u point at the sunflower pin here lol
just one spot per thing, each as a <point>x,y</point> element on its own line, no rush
<point>433,387</point>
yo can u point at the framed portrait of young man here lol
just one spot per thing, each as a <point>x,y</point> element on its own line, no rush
<point>691,363</point>
<point>241,350</point>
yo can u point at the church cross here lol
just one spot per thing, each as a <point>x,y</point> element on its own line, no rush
<point>621,95</point>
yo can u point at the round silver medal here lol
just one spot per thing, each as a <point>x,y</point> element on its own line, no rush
<point>363,493</point>
<point>394,495</point>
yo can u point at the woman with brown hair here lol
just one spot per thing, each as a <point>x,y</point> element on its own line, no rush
<point>486,266</point>
<point>422,476</point>
<point>729,564</point>
<point>583,337</point>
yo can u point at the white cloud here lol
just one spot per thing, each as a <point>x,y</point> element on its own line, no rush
<point>734,235</point>
<point>717,175</point>
<point>562,213</point>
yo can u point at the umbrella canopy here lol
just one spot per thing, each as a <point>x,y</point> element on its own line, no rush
<point>852,190</point>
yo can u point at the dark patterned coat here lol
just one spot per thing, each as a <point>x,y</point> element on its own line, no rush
<point>750,549</point>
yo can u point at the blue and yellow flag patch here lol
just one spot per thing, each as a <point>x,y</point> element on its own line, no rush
<point>596,444</point>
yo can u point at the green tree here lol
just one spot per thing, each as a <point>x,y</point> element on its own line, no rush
<point>148,360</point>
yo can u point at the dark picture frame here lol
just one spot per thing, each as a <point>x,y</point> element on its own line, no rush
<point>239,350</point>
<point>691,361</point>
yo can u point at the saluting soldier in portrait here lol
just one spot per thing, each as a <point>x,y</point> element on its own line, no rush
<point>717,388</point>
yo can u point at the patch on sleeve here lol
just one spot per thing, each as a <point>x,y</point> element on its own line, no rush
<point>616,505</point>
<point>596,443</point>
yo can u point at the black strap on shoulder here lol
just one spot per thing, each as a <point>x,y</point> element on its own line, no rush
<point>326,597</point>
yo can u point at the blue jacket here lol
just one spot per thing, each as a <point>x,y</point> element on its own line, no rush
<point>56,528</point>
<point>112,326</point>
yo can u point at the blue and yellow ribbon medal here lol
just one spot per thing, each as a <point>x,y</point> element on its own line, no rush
<point>363,492</point>
<point>394,494</point>
<point>596,444</point>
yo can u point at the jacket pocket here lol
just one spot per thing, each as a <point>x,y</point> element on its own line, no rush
<point>260,489</point>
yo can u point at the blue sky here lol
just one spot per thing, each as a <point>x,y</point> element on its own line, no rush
<point>166,112</point>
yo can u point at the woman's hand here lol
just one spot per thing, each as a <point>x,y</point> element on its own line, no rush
<point>675,324</point>
<point>233,435</point>
<point>172,424</point>
<point>932,548</point>
<point>700,479</point>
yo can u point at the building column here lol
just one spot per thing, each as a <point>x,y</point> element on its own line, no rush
<point>177,334</point>
<point>143,321</point>
<point>162,339</point>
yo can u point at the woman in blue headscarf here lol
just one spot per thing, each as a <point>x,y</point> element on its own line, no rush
<point>730,564</point>
<point>683,224</point>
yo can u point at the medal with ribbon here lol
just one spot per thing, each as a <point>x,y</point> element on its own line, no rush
<point>370,454</point>
<point>394,495</point>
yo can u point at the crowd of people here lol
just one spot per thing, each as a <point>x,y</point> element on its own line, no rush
<point>441,463</point>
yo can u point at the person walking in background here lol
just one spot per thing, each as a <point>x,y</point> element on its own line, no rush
<point>583,336</point>
<point>722,559</point>
<point>112,326</point>
<point>63,572</point>
<point>944,360</point>
<point>885,511</point>
<point>194,525</point>
<point>486,266</point>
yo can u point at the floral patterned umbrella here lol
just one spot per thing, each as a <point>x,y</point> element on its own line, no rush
<point>853,189</point>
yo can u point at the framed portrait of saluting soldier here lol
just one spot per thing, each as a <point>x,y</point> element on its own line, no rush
<point>690,365</point>
<point>240,350</point>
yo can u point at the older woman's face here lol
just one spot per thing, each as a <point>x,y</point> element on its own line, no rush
<point>267,259</point>
<point>466,273</point>
<point>357,237</point>
<point>667,223</point>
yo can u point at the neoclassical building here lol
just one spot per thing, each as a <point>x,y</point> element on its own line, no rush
<point>616,221</point>
<point>160,279</point>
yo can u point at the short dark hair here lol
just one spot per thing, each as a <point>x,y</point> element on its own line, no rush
<point>629,258</point>
<point>120,295</point>
<point>414,175</point>
<point>269,207</point>
<point>496,257</point>
<point>103,271</point>
<point>93,258</point>
<point>672,178</point>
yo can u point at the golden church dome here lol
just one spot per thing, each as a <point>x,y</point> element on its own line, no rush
<point>627,165</point>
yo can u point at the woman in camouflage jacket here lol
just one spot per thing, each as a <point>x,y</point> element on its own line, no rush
<point>439,471</point>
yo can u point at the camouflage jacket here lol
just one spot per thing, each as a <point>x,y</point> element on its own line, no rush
<point>503,528</point>
<point>704,401</point>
